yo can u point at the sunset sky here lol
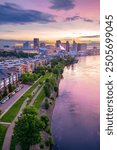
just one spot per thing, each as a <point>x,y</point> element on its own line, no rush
<point>49,19</point>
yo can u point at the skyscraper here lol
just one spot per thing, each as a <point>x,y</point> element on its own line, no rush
<point>67,46</point>
<point>58,43</point>
<point>74,46</point>
<point>36,43</point>
<point>26,45</point>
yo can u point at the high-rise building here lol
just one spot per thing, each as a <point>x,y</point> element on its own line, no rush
<point>26,45</point>
<point>58,43</point>
<point>36,43</point>
<point>78,47</point>
<point>74,46</point>
<point>67,46</point>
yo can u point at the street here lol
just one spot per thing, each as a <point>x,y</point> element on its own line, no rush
<point>17,95</point>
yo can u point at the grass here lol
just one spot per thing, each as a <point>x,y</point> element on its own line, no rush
<point>13,111</point>
<point>39,99</point>
<point>3,130</point>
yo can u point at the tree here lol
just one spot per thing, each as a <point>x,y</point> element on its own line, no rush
<point>0,97</point>
<point>47,90</point>
<point>45,119</point>
<point>13,87</point>
<point>29,78</point>
<point>56,71</point>
<point>27,131</point>
<point>10,87</point>
<point>5,92</point>
<point>30,110</point>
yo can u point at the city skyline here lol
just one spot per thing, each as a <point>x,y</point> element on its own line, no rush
<point>49,19</point>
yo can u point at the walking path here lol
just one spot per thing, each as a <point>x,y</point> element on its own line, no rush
<point>34,98</point>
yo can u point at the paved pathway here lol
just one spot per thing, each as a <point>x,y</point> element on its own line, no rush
<point>9,133</point>
<point>34,98</point>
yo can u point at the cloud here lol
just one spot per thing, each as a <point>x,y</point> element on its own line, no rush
<point>91,36</point>
<point>62,4</point>
<point>73,18</point>
<point>12,13</point>
<point>77,17</point>
<point>8,31</point>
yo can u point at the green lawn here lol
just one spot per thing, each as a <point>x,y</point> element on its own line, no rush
<point>3,130</point>
<point>39,99</point>
<point>13,111</point>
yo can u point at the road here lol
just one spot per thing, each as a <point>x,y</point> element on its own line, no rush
<point>7,104</point>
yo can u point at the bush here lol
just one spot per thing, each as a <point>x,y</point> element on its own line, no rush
<point>46,104</point>
<point>45,119</point>
<point>56,89</point>
<point>48,130</point>
<point>42,125</point>
<point>49,70</point>
<point>47,80</point>
<point>49,141</point>
<point>43,73</point>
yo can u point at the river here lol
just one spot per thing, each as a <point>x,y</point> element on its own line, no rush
<point>76,116</point>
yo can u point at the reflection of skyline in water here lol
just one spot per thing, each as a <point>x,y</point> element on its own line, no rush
<point>76,115</point>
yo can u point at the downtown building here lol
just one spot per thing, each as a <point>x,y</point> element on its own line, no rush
<point>36,43</point>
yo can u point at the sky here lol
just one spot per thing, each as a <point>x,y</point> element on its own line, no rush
<point>49,19</point>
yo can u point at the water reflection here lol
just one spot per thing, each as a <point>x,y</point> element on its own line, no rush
<point>75,123</point>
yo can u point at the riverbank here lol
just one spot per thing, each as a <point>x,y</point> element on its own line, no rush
<point>48,112</point>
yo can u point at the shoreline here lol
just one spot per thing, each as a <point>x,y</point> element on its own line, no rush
<point>49,112</point>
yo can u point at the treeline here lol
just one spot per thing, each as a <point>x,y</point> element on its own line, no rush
<point>15,54</point>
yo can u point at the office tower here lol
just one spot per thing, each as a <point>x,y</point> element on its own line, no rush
<point>74,46</point>
<point>26,45</point>
<point>78,47</point>
<point>67,46</point>
<point>36,43</point>
<point>58,43</point>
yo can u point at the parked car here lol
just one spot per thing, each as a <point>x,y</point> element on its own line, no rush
<point>17,89</point>
<point>10,95</point>
<point>13,92</point>
<point>6,98</point>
